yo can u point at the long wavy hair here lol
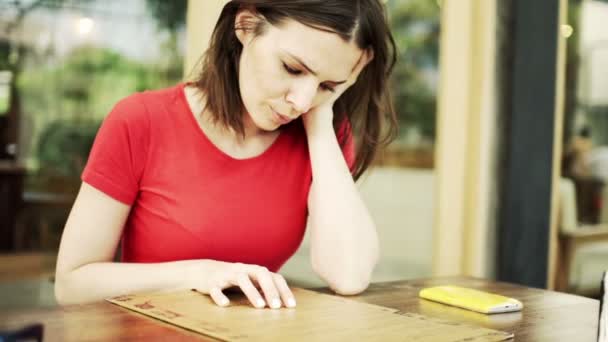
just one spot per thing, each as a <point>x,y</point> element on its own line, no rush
<point>367,103</point>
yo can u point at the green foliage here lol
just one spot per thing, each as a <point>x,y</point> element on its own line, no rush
<point>170,15</point>
<point>64,99</point>
<point>5,49</point>
<point>84,86</point>
<point>415,26</point>
<point>4,98</point>
<point>63,147</point>
<point>65,102</point>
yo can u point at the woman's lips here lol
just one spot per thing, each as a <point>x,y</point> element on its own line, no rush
<point>281,119</point>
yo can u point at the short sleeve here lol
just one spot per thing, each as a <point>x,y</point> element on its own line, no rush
<point>116,162</point>
<point>347,143</point>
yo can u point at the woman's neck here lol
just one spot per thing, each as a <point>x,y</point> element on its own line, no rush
<point>253,142</point>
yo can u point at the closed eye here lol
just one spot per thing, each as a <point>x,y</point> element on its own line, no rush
<point>326,87</point>
<point>293,71</point>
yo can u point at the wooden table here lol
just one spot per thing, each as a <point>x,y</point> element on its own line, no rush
<point>547,315</point>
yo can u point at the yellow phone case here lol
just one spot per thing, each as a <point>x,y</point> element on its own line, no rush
<point>470,299</point>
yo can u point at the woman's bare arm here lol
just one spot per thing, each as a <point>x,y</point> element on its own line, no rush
<point>344,241</point>
<point>86,271</point>
<point>85,268</point>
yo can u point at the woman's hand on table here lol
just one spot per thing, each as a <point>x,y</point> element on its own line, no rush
<point>261,287</point>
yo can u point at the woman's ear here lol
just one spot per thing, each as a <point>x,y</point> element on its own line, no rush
<point>369,52</point>
<point>245,23</point>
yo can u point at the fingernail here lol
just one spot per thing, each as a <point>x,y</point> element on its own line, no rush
<point>276,303</point>
<point>291,302</point>
<point>260,303</point>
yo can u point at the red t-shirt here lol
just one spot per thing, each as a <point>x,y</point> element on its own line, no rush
<point>190,200</point>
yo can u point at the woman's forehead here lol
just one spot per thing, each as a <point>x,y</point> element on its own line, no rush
<point>324,52</point>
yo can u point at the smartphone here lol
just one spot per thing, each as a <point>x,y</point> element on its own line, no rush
<point>471,299</point>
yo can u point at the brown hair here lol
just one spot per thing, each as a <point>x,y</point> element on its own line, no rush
<point>366,103</point>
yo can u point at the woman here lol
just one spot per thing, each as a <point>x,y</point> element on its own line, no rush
<point>210,184</point>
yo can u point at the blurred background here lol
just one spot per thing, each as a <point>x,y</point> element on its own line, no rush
<point>476,125</point>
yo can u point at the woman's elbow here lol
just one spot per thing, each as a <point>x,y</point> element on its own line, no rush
<point>345,276</point>
<point>60,295</point>
<point>63,294</point>
<point>345,283</point>
<point>349,288</point>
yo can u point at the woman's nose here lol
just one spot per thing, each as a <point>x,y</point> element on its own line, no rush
<point>301,96</point>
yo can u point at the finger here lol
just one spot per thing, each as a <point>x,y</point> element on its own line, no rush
<point>286,294</point>
<point>218,296</point>
<point>266,282</point>
<point>244,282</point>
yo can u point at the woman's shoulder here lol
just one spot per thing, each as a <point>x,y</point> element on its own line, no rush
<point>161,96</point>
<point>147,98</point>
<point>141,105</point>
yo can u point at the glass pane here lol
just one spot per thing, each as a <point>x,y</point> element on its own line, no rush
<point>72,61</point>
<point>586,116</point>
<point>400,188</point>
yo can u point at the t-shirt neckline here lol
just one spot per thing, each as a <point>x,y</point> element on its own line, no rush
<point>182,95</point>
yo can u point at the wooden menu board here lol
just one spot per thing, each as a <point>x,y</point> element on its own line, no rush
<point>317,317</point>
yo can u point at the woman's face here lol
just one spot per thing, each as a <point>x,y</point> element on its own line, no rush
<point>290,69</point>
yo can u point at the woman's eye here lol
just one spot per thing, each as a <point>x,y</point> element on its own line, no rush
<point>297,72</point>
<point>291,70</point>
<point>328,88</point>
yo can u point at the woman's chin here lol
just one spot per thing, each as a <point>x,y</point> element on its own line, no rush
<point>268,126</point>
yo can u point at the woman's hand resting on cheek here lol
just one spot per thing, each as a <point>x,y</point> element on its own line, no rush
<point>321,116</point>
<point>211,277</point>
